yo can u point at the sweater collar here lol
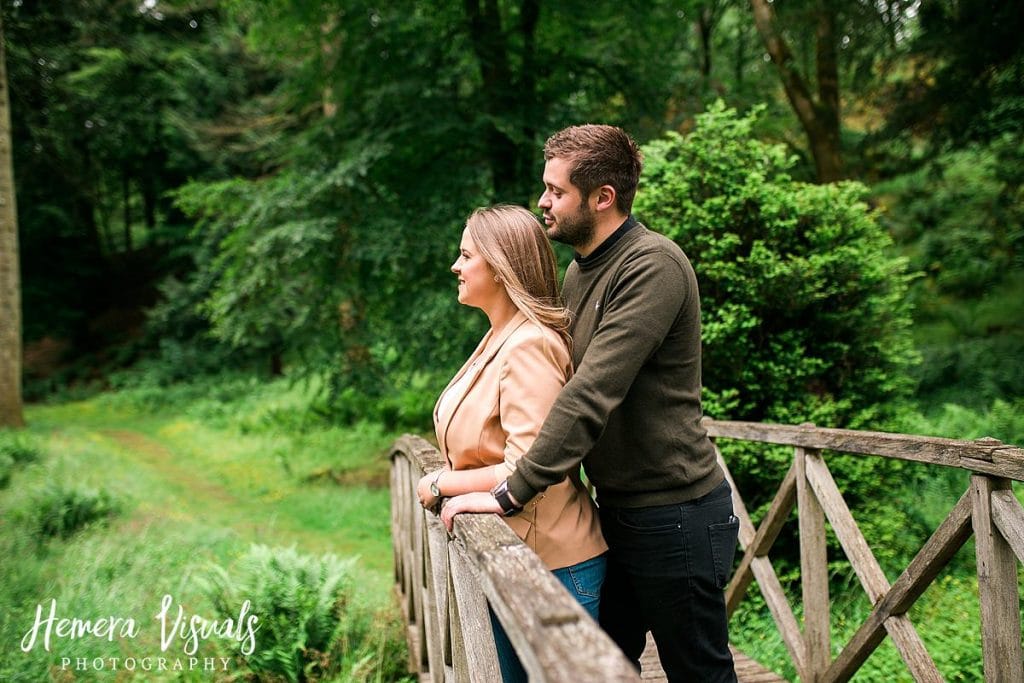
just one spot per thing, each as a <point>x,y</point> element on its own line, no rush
<point>608,243</point>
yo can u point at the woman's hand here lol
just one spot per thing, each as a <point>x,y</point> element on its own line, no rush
<point>478,501</point>
<point>427,499</point>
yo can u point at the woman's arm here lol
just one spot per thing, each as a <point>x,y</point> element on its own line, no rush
<point>532,374</point>
<point>530,380</point>
<point>456,482</point>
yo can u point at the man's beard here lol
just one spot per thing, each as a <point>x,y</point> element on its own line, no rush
<point>575,230</point>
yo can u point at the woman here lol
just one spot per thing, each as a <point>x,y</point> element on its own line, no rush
<point>493,408</point>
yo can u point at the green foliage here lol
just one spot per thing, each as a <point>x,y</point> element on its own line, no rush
<point>1003,420</point>
<point>959,219</point>
<point>6,470</point>
<point>311,625</point>
<point>20,446</point>
<point>804,311</point>
<point>60,510</point>
<point>16,448</point>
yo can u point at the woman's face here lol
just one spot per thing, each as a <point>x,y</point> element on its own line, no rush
<point>477,286</point>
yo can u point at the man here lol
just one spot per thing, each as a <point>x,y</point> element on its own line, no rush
<point>631,414</point>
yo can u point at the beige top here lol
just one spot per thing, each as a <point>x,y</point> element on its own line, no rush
<point>491,412</point>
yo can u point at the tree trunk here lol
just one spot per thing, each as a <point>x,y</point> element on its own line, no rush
<point>504,92</point>
<point>705,24</point>
<point>11,414</point>
<point>819,118</point>
<point>126,197</point>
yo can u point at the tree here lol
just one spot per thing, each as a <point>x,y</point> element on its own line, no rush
<point>804,307</point>
<point>10,286</point>
<point>819,115</point>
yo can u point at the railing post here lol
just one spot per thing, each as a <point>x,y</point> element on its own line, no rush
<point>813,574</point>
<point>997,587</point>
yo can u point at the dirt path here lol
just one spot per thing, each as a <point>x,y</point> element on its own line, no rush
<point>163,460</point>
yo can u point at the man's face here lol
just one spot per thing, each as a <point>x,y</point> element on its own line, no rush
<point>566,211</point>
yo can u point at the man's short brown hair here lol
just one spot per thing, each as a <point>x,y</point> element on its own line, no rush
<point>599,155</point>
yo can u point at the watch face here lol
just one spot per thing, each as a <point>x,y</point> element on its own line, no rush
<point>434,491</point>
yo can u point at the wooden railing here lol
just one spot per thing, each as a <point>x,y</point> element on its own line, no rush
<point>444,582</point>
<point>988,509</point>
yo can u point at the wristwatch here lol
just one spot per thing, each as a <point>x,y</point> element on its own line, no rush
<point>434,490</point>
<point>504,498</point>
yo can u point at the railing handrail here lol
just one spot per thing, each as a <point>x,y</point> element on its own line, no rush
<point>443,580</point>
<point>988,510</point>
<point>983,456</point>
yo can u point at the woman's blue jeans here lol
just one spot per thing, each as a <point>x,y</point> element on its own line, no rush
<point>583,581</point>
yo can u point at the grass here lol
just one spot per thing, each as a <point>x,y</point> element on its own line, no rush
<point>202,473</point>
<point>197,481</point>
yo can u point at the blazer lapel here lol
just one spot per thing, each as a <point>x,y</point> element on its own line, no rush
<point>484,357</point>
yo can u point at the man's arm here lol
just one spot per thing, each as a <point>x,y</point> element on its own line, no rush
<point>644,303</point>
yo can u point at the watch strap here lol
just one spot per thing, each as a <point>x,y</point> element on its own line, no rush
<point>504,499</point>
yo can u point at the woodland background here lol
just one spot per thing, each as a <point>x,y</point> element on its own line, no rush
<point>238,216</point>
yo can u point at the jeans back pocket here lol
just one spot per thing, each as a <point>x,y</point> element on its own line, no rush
<point>722,537</point>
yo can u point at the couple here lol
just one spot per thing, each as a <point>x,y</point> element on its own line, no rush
<point>622,397</point>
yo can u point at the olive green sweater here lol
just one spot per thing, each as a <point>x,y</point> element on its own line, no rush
<point>631,412</point>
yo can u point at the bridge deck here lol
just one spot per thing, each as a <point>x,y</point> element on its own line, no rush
<point>747,670</point>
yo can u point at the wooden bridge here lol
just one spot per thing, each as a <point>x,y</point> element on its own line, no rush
<point>444,582</point>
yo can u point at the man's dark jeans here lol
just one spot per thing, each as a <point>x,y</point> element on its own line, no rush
<point>667,568</point>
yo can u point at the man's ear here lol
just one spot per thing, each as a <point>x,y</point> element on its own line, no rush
<point>605,198</point>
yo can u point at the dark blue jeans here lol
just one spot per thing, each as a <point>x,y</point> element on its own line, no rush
<point>583,581</point>
<point>667,568</point>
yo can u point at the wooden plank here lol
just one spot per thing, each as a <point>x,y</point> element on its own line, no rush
<point>556,640</point>
<point>474,657</point>
<point>997,588</point>
<point>871,576</point>
<point>435,595</point>
<point>747,669</point>
<point>933,557</point>
<point>986,455</point>
<point>746,533</point>
<point>762,540</point>
<point>906,639</point>
<point>782,613</point>
<point>760,568</point>
<point>813,573</point>
<point>1009,518</point>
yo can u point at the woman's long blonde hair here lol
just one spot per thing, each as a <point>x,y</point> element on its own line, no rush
<point>512,241</point>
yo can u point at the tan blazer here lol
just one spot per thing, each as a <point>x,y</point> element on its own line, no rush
<point>497,414</point>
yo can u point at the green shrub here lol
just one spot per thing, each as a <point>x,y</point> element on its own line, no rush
<point>19,446</point>
<point>804,309</point>
<point>803,302</point>
<point>6,469</point>
<point>60,510</point>
<point>311,626</point>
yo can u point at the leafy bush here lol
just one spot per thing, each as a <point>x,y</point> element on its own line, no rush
<point>804,311</point>
<point>6,469</point>
<point>310,625</point>
<point>19,446</point>
<point>61,510</point>
<point>803,304</point>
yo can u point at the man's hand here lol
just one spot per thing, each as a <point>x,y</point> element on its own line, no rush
<point>478,501</point>
<point>427,499</point>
